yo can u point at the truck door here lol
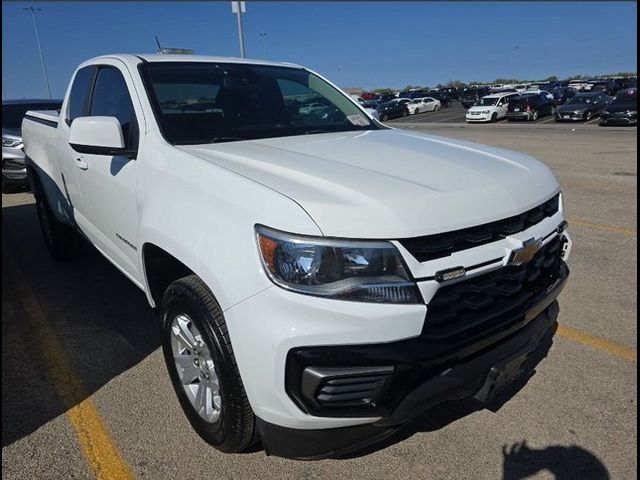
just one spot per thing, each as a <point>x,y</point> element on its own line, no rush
<point>109,211</point>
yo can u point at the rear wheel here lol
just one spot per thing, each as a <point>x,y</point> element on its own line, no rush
<point>534,116</point>
<point>436,108</point>
<point>203,370</point>
<point>60,239</point>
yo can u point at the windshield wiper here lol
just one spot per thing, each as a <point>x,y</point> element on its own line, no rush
<point>225,139</point>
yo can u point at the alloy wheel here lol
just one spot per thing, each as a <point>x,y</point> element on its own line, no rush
<point>195,367</point>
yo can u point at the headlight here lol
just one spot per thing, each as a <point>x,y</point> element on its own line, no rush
<point>486,111</point>
<point>356,270</point>
<point>10,142</point>
<point>632,112</point>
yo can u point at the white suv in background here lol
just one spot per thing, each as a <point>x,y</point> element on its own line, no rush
<point>490,108</point>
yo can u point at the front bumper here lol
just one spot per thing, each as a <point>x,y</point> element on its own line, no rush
<point>483,117</point>
<point>618,119</point>
<point>484,375</point>
<point>569,117</point>
<point>14,170</point>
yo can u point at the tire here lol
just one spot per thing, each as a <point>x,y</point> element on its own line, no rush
<point>384,117</point>
<point>587,116</point>
<point>436,108</point>
<point>494,117</point>
<point>61,240</point>
<point>188,302</point>
<point>405,113</point>
<point>534,117</point>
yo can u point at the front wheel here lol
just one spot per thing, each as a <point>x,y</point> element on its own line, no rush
<point>588,116</point>
<point>384,117</point>
<point>534,116</point>
<point>494,117</point>
<point>436,108</point>
<point>203,370</point>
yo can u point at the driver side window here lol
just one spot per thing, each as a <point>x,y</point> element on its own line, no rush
<point>111,98</point>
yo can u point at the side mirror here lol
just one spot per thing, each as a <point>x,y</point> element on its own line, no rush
<point>98,136</point>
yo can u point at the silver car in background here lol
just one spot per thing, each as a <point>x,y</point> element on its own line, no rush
<point>14,172</point>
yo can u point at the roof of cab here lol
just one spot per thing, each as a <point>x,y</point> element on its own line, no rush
<point>136,58</point>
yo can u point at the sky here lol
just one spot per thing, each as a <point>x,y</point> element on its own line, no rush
<point>362,44</point>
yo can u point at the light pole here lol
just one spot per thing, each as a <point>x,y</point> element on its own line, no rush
<point>238,7</point>
<point>33,11</point>
<point>264,44</point>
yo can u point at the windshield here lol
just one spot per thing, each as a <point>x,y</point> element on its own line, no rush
<point>579,100</point>
<point>12,115</point>
<point>197,103</point>
<point>487,102</point>
<point>625,99</point>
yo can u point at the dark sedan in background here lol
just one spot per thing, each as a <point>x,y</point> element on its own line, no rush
<point>393,109</point>
<point>563,94</point>
<point>472,95</point>
<point>622,110</point>
<point>14,172</point>
<point>530,106</point>
<point>445,101</point>
<point>583,106</point>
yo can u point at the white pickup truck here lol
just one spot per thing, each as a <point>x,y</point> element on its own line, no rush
<point>321,278</point>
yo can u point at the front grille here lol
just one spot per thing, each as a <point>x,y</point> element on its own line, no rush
<point>482,304</point>
<point>440,245</point>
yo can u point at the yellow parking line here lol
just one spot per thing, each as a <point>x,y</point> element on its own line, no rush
<point>597,342</point>
<point>630,232</point>
<point>97,445</point>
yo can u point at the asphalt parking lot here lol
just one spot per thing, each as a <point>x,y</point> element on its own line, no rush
<point>455,113</point>
<point>85,391</point>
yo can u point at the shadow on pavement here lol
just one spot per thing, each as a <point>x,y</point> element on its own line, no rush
<point>565,463</point>
<point>102,321</point>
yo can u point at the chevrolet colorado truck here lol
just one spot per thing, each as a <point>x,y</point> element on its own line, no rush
<point>321,279</point>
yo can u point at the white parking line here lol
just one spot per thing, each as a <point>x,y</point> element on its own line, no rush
<point>591,121</point>
<point>546,121</point>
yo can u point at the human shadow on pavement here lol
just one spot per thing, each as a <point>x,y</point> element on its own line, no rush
<point>92,316</point>
<point>564,462</point>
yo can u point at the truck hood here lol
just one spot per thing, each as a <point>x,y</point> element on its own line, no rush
<point>389,183</point>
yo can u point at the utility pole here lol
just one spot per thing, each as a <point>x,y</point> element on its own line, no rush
<point>33,11</point>
<point>239,8</point>
<point>264,43</point>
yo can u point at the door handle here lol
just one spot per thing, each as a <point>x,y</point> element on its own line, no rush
<point>81,163</point>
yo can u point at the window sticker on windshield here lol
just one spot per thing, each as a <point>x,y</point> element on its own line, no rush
<point>359,120</point>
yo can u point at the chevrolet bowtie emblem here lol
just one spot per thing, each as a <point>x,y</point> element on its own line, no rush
<point>525,253</point>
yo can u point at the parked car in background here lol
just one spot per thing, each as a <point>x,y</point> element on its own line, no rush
<point>490,108</point>
<point>530,107</point>
<point>520,87</point>
<point>609,87</point>
<point>444,100</point>
<point>414,93</point>
<point>378,99</point>
<point>562,94</point>
<point>560,84</point>
<point>472,95</point>
<point>14,171</point>
<point>582,106</point>
<point>622,109</point>
<point>578,85</point>
<point>393,109</point>
<point>450,92</point>
<point>421,105</point>
<point>538,91</point>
